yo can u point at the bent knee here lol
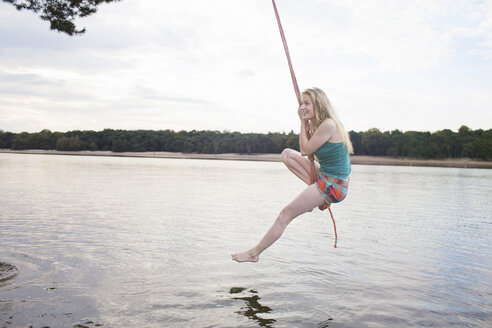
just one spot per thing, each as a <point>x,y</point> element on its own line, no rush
<point>286,154</point>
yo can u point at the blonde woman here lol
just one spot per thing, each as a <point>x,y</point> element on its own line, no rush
<point>331,145</point>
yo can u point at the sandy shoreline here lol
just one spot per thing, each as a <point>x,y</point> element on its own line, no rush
<point>364,160</point>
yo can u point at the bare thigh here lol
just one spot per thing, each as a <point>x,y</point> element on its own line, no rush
<point>298,164</point>
<point>306,201</point>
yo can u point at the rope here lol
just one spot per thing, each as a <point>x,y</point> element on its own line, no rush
<point>287,53</point>
<point>298,95</point>
<point>334,226</point>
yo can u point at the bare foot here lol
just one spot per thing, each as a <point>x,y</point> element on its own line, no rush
<point>245,257</point>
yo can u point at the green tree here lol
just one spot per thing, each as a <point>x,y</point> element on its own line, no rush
<point>46,139</point>
<point>20,141</point>
<point>356,139</point>
<point>440,144</point>
<point>395,143</point>
<point>60,13</point>
<point>293,142</point>
<point>415,143</point>
<point>374,142</point>
<point>71,143</point>
<point>465,136</point>
<point>120,145</point>
<point>6,139</point>
<point>105,139</point>
<point>482,145</point>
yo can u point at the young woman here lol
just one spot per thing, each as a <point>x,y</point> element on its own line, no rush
<point>331,145</point>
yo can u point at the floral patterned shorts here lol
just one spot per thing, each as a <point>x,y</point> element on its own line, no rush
<point>332,189</point>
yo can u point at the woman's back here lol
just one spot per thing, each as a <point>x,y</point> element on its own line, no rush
<point>334,160</point>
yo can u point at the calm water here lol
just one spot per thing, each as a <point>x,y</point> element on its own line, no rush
<point>132,242</point>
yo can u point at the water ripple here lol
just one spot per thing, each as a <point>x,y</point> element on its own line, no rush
<point>125,242</point>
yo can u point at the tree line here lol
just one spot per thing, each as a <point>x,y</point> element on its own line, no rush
<point>414,144</point>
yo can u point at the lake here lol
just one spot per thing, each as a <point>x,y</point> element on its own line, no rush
<point>142,242</point>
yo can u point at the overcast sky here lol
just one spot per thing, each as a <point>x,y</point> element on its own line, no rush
<point>421,65</point>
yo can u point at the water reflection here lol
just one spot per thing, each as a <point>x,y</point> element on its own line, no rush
<point>253,306</point>
<point>7,271</point>
<point>325,323</point>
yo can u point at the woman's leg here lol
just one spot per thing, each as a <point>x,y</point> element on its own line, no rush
<point>298,164</point>
<point>305,202</point>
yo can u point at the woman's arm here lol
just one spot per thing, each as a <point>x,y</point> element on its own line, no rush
<point>322,134</point>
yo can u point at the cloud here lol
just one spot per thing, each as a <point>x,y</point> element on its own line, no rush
<point>220,64</point>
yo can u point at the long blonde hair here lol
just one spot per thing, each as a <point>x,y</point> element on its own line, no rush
<point>324,110</point>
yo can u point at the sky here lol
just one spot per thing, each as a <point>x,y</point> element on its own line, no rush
<point>422,65</point>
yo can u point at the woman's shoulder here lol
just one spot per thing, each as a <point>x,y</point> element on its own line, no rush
<point>328,126</point>
<point>328,123</point>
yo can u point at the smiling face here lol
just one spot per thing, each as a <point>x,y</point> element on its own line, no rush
<point>307,107</point>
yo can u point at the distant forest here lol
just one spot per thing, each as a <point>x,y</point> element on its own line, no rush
<point>440,144</point>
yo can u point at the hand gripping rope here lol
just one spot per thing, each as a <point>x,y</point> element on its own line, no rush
<point>298,95</point>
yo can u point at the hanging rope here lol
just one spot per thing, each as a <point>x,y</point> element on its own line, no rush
<point>287,53</point>
<point>298,95</point>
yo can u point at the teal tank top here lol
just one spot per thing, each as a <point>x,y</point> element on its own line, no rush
<point>334,160</point>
